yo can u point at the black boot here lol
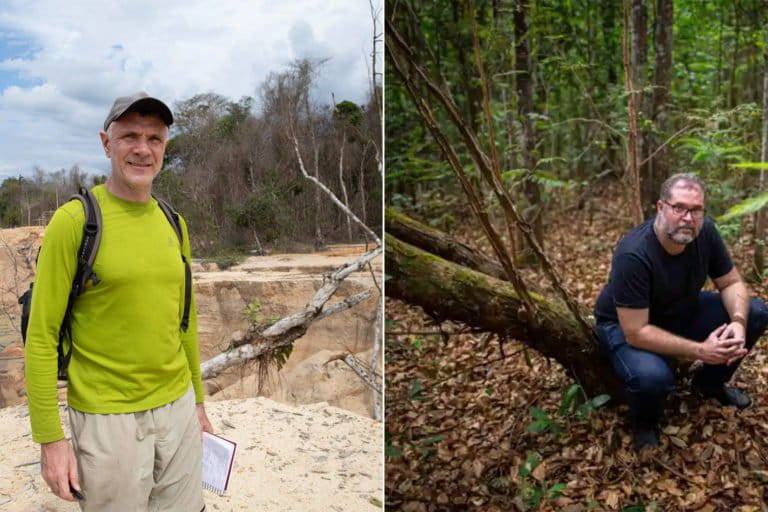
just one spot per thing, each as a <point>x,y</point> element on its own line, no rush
<point>644,433</point>
<point>726,395</point>
<point>645,412</point>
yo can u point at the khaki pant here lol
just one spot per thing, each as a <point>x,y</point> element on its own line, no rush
<point>143,461</point>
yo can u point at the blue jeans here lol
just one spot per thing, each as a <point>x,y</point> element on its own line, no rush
<point>648,377</point>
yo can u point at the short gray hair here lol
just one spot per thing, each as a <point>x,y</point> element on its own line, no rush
<point>690,180</point>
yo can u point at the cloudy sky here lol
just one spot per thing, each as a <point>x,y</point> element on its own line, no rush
<point>62,64</point>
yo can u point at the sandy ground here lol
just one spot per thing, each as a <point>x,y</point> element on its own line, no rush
<point>308,458</point>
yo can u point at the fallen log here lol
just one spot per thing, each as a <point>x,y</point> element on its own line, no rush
<point>441,244</point>
<point>259,341</point>
<point>448,291</point>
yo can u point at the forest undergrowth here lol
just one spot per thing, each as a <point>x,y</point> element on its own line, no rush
<point>475,424</point>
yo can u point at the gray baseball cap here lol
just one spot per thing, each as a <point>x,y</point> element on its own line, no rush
<point>142,103</point>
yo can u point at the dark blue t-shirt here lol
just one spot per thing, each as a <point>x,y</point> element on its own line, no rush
<point>644,275</point>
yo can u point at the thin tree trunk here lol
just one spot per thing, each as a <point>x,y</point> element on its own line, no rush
<point>319,240</point>
<point>634,172</point>
<point>471,92</point>
<point>718,79</point>
<point>734,57</point>
<point>343,186</point>
<point>639,76</point>
<point>524,81</point>
<point>658,164</point>
<point>759,238</point>
<point>363,203</point>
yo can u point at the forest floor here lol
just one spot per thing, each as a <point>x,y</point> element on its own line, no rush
<point>458,409</point>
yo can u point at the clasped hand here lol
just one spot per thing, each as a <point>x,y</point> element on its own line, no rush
<point>724,345</point>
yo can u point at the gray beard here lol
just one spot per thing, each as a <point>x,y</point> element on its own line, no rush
<point>682,237</point>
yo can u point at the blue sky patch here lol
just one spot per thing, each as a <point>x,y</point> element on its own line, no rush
<point>16,46</point>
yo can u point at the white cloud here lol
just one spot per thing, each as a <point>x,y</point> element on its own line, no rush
<point>72,64</point>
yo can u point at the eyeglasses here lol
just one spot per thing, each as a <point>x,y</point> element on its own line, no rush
<point>680,210</point>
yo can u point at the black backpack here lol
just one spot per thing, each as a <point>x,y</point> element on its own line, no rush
<point>86,255</point>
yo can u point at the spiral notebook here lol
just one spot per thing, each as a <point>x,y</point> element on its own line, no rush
<point>218,457</point>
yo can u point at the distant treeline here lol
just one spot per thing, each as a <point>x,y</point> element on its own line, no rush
<point>232,170</point>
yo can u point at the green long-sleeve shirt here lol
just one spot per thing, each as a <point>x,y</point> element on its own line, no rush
<point>129,353</point>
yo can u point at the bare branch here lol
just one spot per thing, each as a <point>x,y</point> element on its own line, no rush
<point>330,194</point>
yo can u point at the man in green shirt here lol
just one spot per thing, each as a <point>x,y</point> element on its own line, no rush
<point>134,375</point>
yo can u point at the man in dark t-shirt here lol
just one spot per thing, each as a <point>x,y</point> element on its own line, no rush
<point>653,309</point>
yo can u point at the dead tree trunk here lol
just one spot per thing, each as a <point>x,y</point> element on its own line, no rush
<point>258,342</point>
<point>319,239</point>
<point>447,291</point>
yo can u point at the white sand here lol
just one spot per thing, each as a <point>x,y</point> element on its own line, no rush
<point>308,458</point>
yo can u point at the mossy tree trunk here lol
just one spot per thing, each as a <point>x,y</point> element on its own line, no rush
<point>449,291</point>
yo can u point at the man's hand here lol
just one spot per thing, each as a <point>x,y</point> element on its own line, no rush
<point>735,330</point>
<point>59,468</point>
<point>717,349</point>
<point>205,424</point>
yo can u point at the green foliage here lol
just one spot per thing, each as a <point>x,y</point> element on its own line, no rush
<point>226,258</point>
<point>32,200</point>
<point>745,207</point>
<point>426,445</point>
<point>267,211</point>
<point>253,312</point>
<point>532,492</point>
<point>579,100</point>
<point>348,113</point>
<point>569,408</point>
<point>280,355</point>
<point>752,166</point>
<point>391,450</point>
<point>417,391</point>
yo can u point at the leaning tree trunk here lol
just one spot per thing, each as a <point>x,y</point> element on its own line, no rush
<point>447,291</point>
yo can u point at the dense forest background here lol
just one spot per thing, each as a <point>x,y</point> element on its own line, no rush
<point>554,74</point>
<point>231,169</point>
<point>523,139</point>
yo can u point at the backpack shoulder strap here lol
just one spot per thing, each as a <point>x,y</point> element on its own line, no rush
<point>86,255</point>
<point>175,222</point>
<point>89,246</point>
<point>172,216</point>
